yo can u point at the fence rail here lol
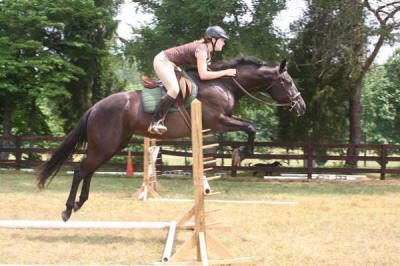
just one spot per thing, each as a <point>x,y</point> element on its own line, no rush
<point>308,158</point>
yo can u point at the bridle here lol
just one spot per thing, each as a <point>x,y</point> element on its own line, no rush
<point>293,99</point>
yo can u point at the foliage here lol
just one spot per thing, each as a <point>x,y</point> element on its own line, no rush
<point>331,56</point>
<point>323,58</point>
<point>87,42</point>
<point>381,103</point>
<point>51,54</point>
<point>263,115</point>
<point>30,70</point>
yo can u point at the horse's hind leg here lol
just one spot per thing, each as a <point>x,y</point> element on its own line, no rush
<point>90,167</point>
<point>72,194</point>
<point>94,159</point>
<point>84,171</point>
<point>84,196</point>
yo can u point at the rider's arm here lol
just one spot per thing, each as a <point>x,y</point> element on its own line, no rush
<point>204,74</point>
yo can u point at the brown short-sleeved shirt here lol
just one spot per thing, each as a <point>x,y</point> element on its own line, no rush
<point>185,54</point>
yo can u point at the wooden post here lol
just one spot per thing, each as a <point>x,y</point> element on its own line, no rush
<point>18,153</point>
<point>197,168</point>
<point>202,240</point>
<point>383,161</point>
<point>148,176</point>
<point>309,153</point>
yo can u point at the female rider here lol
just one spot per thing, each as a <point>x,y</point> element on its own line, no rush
<point>197,53</point>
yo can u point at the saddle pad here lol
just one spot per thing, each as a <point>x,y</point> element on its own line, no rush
<point>151,97</point>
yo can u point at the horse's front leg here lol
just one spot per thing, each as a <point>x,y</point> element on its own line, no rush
<point>233,123</point>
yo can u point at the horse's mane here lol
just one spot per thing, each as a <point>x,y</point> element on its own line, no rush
<point>231,63</point>
<point>234,62</point>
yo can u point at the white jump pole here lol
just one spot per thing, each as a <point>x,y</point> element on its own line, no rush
<point>169,243</point>
<point>41,224</point>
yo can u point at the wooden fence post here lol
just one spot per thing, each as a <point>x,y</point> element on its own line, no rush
<point>309,153</point>
<point>18,154</point>
<point>383,161</point>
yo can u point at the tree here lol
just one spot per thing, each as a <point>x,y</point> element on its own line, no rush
<point>320,65</point>
<point>53,55</point>
<point>381,102</point>
<point>384,25</point>
<point>331,49</point>
<point>87,38</point>
<point>28,69</point>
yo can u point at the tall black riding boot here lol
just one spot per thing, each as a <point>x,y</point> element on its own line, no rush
<point>157,126</point>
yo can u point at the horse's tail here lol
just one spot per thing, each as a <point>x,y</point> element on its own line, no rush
<point>76,138</point>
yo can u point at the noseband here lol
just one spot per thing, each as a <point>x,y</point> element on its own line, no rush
<point>293,99</point>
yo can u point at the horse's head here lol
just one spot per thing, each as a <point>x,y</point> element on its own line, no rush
<point>284,91</point>
<point>255,75</point>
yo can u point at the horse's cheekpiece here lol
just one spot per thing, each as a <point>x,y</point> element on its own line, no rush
<point>154,90</point>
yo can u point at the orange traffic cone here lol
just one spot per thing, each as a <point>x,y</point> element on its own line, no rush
<point>129,166</point>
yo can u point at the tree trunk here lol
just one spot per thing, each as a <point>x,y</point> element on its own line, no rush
<point>7,115</point>
<point>31,125</point>
<point>32,118</point>
<point>355,123</point>
<point>96,87</point>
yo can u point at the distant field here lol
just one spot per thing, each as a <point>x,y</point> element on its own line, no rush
<point>334,222</point>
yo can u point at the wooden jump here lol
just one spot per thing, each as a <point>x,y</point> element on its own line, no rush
<point>202,240</point>
<point>149,185</point>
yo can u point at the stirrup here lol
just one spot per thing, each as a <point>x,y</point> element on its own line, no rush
<point>157,127</point>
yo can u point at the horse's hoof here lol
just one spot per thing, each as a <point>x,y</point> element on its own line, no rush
<point>65,216</point>
<point>76,207</point>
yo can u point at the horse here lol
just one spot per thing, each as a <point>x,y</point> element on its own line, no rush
<point>107,126</point>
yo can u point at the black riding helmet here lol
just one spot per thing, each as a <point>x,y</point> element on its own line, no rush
<point>215,32</point>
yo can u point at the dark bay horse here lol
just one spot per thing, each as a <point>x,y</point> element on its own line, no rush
<point>108,125</point>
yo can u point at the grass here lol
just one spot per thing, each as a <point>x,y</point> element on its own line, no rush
<point>334,222</point>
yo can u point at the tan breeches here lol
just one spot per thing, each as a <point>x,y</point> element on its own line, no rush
<point>166,73</point>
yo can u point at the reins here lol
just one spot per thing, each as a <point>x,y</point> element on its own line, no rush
<point>260,100</point>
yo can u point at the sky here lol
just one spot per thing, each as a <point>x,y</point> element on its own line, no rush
<point>129,17</point>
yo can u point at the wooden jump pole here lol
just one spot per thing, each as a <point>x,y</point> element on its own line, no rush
<point>150,151</point>
<point>201,239</point>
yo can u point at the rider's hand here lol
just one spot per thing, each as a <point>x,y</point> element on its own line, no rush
<point>231,72</point>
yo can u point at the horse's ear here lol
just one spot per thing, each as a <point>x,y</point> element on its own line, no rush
<point>283,66</point>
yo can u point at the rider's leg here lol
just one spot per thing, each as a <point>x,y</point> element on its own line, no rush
<point>157,126</point>
<point>165,70</point>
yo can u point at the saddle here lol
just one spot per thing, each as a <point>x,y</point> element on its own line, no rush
<point>185,83</point>
<point>154,89</point>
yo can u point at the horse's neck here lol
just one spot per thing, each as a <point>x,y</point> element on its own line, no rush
<point>242,87</point>
<point>229,85</point>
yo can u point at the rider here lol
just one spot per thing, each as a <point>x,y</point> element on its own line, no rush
<point>197,53</point>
